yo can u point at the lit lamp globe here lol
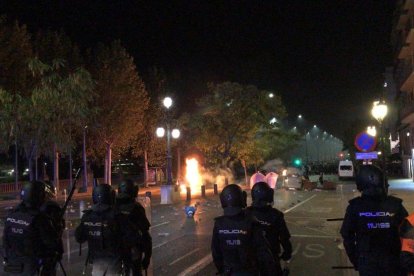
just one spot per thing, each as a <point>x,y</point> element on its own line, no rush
<point>175,133</point>
<point>160,132</point>
<point>379,110</point>
<point>371,130</point>
<point>167,102</point>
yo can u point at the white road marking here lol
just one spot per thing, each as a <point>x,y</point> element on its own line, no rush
<point>297,205</point>
<point>160,224</point>
<point>184,256</point>
<point>164,243</point>
<point>198,266</point>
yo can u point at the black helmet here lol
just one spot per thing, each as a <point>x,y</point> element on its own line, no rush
<point>128,188</point>
<point>232,199</point>
<point>33,194</point>
<point>262,194</point>
<point>50,190</point>
<point>371,181</point>
<point>103,194</point>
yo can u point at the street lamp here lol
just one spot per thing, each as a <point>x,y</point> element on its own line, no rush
<point>167,190</point>
<point>379,111</point>
<point>371,130</point>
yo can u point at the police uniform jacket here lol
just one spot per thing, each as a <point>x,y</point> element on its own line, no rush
<point>407,244</point>
<point>29,236</point>
<point>370,227</point>
<point>277,233</point>
<point>239,246</point>
<point>133,216</point>
<point>100,227</point>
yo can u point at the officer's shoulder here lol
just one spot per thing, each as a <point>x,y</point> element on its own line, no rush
<point>276,212</point>
<point>355,200</point>
<point>219,218</point>
<point>394,199</point>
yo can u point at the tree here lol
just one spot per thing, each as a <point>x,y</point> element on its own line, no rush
<point>230,119</point>
<point>121,100</point>
<point>58,104</point>
<point>15,52</point>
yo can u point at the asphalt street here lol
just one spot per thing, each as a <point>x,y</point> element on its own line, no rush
<point>181,245</point>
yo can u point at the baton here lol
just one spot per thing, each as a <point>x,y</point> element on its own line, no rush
<point>61,267</point>
<point>72,191</point>
<point>334,219</point>
<point>343,267</point>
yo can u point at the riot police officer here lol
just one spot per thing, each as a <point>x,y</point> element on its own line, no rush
<point>272,221</point>
<point>135,226</point>
<point>370,227</point>
<point>100,227</point>
<point>53,210</point>
<point>239,246</point>
<point>30,242</point>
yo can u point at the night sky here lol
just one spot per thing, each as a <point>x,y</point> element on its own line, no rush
<point>326,58</point>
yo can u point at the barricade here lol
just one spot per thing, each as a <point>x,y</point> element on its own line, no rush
<point>308,185</point>
<point>328,185</point>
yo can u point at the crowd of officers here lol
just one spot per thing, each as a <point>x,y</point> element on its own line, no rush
<point>378,233</point>
<point>115,228</point>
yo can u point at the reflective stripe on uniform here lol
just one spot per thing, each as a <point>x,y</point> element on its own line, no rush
<point>410,219</point>
<point>407,245</point>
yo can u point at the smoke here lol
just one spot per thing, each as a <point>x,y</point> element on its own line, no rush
<point>217,176</point>
<point>275,165</point>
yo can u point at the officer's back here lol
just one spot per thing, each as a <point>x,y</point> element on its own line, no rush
<point>238,244</point>
<point>272,221</point>
<point>29,239</point>
<point>370,227</point>
<point>137,241</point>
<point>100,228</point>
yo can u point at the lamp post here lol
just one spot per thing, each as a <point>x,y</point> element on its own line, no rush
<point>379,111</point>
<point>167,190</point>
<point>85,167</point>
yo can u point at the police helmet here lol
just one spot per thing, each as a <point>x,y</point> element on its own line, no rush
<point>232,199</point>
<point>128,188</point>
<point>50,191</point>
<point>371,180</point>
<point>103,194</point>
<point>33,194</point>
<point>262,194</point>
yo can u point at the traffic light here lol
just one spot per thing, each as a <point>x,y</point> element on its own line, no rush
<point>297,162</point>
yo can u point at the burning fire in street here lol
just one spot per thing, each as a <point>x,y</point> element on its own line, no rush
<point>192,176</point>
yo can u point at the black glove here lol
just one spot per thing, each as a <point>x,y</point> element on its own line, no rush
<point>145,263</point>
<point>285,256</point>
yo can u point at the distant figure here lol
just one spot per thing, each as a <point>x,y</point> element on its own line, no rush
<point>371,223</point>
<point>321,178</point>
<point>271,179</point>
<point>257,177</point>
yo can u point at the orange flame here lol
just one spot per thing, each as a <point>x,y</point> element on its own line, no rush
<point>193,176</point>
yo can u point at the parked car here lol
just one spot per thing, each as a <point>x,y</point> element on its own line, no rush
<point>292,178</point>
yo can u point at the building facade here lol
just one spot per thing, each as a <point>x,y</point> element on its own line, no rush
<point>403,82</point>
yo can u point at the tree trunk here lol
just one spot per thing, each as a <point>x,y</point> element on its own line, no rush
<point>55,167</point>
<point>36,169</point>
<point>30,164</point>
<point>70,167</point>
<point>16,166</point>
<point>108,164</point>
<point>146,168</point>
